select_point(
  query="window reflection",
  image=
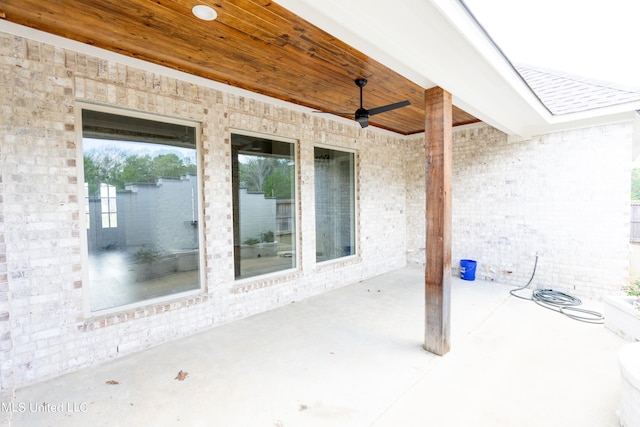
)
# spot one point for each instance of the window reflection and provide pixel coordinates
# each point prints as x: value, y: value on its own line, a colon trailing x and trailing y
x: 264, y: 206
x: 142, y: 218
x: 335, y: 204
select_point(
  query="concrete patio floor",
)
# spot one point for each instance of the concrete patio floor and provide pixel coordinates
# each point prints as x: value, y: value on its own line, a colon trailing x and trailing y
x: 354, y: 357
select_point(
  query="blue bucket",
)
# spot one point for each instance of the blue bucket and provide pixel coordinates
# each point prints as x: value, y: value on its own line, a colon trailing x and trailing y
x: 467, y: 269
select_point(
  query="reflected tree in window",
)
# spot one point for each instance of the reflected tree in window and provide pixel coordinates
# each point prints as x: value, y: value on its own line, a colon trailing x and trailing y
x: 142, y: 209
x: 264, y: 206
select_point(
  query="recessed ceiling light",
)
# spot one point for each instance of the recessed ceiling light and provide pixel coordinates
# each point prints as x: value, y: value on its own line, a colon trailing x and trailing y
x: 205, y: 13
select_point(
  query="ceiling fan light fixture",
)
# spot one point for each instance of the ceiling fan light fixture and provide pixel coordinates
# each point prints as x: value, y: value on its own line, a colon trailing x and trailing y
x: 206, y: 13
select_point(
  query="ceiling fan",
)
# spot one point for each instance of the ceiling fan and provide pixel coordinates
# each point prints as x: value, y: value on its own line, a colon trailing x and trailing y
x: 362, y: 114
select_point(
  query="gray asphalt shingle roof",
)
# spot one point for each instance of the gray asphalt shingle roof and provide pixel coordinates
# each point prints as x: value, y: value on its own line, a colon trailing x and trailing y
x: 564, y: 93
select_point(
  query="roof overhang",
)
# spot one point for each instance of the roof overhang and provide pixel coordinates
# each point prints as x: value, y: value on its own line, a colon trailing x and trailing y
x: 434, y: 43
x: 439, y: 43
x: 411, y: 46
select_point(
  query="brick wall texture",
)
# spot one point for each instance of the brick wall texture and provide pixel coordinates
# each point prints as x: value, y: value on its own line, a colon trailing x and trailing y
x: 562, y: 195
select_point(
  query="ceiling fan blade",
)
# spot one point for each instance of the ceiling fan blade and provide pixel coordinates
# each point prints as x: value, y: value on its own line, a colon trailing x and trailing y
x: 389, y: 107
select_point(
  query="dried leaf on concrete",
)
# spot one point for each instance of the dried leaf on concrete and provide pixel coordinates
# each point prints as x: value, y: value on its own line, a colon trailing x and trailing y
x: 181, y: 375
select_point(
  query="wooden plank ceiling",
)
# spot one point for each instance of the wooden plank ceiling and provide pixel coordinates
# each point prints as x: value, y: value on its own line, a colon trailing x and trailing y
x: 253, y: 44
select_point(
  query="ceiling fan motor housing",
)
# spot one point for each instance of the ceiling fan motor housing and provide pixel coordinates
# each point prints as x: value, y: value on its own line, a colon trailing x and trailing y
x: 361, y: 82
x: 362, y: 117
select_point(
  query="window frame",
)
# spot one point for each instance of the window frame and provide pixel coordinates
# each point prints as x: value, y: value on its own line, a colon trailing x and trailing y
x: 356, y: 205
x: 83, y: 207
x: 296, y: 216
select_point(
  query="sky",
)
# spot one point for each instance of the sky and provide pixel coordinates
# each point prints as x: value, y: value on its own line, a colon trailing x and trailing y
x: 592, y: 38
x: 153, y: 150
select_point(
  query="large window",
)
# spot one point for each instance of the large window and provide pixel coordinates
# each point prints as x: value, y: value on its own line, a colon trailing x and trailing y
x: 264, y: 228
x: 141, y: 187
x: 335, y: 204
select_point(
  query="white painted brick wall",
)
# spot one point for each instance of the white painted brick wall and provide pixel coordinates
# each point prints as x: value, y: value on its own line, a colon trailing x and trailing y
x: 564, y: 196
x: 44, y: 331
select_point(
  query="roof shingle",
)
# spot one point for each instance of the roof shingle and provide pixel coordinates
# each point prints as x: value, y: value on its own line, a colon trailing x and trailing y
x: 564, y: 93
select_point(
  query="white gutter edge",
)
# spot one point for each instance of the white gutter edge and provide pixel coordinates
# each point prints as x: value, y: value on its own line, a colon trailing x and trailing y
x: 581, y: 123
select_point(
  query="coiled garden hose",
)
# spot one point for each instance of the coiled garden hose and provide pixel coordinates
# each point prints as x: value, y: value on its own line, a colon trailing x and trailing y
x: 559, y: 302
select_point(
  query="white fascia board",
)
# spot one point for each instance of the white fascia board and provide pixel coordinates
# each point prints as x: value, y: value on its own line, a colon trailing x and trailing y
x: 614, y: 110
x: 597, y: 117
x: 581, y: 122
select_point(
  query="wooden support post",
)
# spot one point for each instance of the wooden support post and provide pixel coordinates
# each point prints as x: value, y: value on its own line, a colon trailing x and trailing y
x: 438, y: 140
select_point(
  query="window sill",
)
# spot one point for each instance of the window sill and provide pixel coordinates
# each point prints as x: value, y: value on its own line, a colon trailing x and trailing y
x: 125, y: 313
x: 266, y: 280
x: 336, y: 263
